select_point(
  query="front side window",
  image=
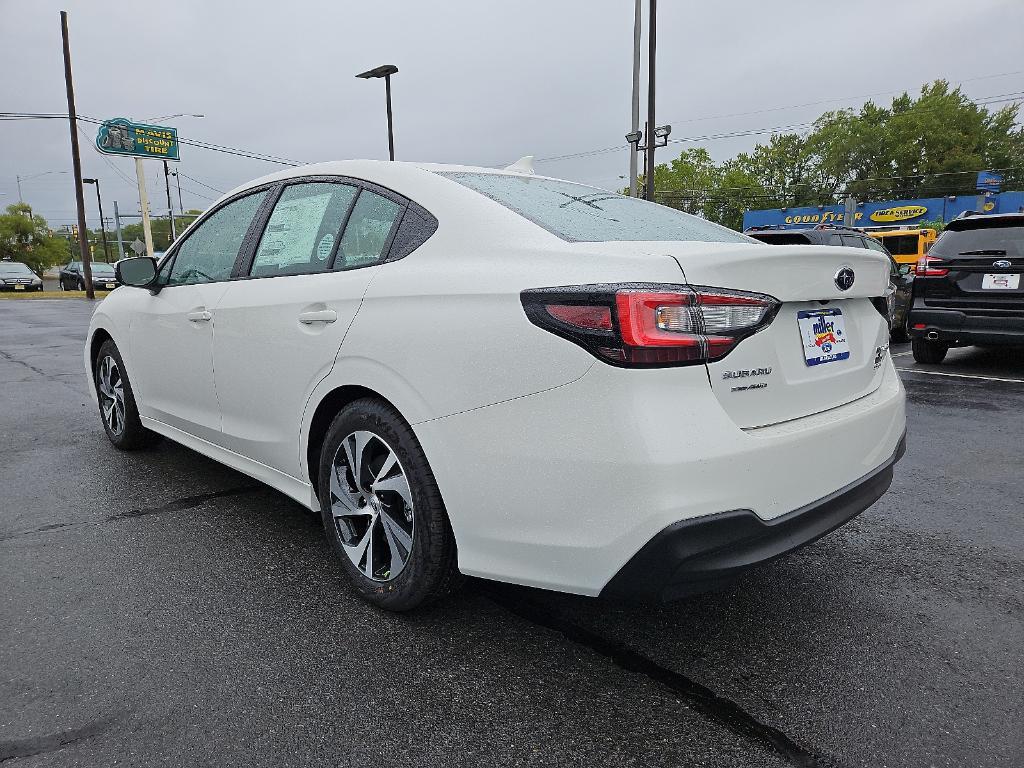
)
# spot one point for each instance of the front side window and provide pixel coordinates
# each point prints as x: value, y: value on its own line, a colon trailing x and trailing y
x: 368, y: 231
x: 209, y: 253
x: 302, y: 231
x: 575, y: 212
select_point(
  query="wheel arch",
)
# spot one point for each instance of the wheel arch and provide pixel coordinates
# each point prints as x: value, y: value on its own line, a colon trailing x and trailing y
x: 329, y: 407
x: 99, y: 337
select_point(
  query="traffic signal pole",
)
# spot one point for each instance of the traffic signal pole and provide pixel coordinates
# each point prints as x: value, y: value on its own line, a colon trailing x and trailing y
x: 76, y: 160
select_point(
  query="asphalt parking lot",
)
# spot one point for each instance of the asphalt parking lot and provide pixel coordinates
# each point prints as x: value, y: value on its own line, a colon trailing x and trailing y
x: 160, y: 609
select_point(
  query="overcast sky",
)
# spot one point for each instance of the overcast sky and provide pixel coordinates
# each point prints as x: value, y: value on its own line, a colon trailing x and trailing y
x: 480, y: 82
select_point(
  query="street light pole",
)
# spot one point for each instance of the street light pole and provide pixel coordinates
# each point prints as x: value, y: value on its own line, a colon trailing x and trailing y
x: 103, y: 226
x: 385, y: 71
x: 651, y: 43
x: 635, y: 125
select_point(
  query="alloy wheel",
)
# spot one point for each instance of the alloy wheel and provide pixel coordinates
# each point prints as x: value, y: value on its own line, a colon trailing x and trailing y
x: 371, y: 504
x: 111, y: 391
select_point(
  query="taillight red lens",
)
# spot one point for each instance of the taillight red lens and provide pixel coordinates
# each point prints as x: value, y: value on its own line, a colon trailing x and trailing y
x: 925, y: 267
x: 582, y: 316
x: 651, y: 325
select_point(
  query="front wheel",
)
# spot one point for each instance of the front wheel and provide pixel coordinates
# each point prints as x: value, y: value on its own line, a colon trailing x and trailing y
x: 929, y: 352
x: 117, y: 402
x: 382, y: 510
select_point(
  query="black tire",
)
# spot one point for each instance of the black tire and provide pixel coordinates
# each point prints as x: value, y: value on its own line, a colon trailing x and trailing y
x: 132, y: 435
x: 61, y: 283
x: 929, y: 352
x: 430, y: 570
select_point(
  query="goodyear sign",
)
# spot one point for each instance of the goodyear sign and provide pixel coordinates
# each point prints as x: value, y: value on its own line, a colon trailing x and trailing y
x: 123, y: 137
x: 899, y: 213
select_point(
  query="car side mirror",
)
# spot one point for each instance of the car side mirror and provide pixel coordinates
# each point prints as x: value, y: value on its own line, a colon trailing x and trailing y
x: 138, y: 271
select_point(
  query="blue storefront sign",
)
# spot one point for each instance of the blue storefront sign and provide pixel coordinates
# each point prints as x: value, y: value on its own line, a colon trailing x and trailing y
x: 989, y: 181
x: 888, y: 213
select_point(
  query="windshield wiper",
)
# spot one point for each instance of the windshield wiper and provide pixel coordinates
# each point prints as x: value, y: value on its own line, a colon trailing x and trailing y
x: 984, y: 252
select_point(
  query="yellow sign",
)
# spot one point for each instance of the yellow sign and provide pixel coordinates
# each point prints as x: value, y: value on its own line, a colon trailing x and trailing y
x: 899, y: 213
x: 825, y: 217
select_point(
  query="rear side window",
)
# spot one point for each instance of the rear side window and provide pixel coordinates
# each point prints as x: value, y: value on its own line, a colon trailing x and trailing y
x: 993, y: 241
x: 302, y: 232
x: 852, y: 241
x: 579, y: 213
x: 874, y: 245
x: 209, y: 253
x: 368, y: 231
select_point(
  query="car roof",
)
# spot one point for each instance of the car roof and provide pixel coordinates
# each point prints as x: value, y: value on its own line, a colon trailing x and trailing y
x: 985, y: 221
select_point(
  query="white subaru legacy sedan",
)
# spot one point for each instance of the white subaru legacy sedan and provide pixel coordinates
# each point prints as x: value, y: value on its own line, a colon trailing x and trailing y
x: 497, y: 374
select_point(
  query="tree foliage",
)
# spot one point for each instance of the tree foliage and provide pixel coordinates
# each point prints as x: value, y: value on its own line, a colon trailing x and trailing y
x: 928, y: 146
x: 27, y: 238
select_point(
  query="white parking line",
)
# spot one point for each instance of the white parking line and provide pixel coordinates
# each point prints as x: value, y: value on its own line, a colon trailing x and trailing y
x: 959, y: 375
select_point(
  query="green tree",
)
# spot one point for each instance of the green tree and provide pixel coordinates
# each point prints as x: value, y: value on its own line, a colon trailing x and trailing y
x: 928, y: 146
x: 27, y: 238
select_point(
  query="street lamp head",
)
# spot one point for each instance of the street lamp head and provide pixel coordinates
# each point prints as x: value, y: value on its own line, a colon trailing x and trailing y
x: 90, y: 181
x: 381, y: 71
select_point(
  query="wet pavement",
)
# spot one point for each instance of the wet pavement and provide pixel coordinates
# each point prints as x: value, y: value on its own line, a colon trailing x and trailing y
x: 160, y: 609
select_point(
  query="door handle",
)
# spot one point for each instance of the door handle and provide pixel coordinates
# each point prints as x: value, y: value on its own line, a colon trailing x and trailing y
x: 200, y: 316
x: 318, y: 316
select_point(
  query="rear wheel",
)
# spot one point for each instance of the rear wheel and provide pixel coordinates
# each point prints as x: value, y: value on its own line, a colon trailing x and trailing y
x: 117, y: 402
x: 382, y: 510
x: 929, y: 352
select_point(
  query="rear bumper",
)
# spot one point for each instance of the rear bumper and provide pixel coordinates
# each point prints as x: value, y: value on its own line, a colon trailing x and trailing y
x: 693, y: 556
x: 955, y: 327
x: 561, y: 489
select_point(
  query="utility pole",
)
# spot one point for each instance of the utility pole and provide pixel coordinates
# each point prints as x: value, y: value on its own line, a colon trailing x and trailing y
x: 177, y: 179
x: 147, y: 231
x: 170, y: 208
x: 635, y: 125
x: 850, y: 211
x: 117, y: 225
x: 19, y: 189
x: 76, y: 160
x: 652, y: 38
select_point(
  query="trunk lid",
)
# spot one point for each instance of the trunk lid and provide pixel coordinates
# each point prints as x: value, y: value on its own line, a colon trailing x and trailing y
x: 768, y: 378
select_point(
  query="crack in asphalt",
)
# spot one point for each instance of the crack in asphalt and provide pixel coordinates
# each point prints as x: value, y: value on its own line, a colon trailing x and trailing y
x: 721, y: 710
x: 177, y: 505
x: 14, y: 748
x: 11, y: 358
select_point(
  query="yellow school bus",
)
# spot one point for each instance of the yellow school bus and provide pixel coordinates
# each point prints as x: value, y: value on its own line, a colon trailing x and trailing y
x: 905, y: 245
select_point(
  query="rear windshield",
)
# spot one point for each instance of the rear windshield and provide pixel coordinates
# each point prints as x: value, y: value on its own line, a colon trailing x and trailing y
x: 99, y: 266
x: 586, y: 214
x: 1000, y: 241
x: 14, y: 268
x: 781, y: 238
x: 901, y: 245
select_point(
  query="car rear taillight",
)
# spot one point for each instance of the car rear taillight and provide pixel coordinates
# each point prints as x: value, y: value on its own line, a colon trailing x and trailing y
x: 645, y: 325
x: 925, y: 267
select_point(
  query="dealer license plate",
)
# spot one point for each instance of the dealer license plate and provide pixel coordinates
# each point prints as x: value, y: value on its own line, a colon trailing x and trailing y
x: 110, y: 286
x: 19, y: 287
x: 990, y: 282
x: 823, y: 333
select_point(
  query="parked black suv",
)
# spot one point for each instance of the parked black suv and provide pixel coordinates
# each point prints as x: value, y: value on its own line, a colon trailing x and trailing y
x: 830, y: 234
x: 969, y: 289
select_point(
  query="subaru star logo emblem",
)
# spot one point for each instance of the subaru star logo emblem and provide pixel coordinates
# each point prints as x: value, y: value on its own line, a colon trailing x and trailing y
x: 844, y: 279
x: 1002, y: 263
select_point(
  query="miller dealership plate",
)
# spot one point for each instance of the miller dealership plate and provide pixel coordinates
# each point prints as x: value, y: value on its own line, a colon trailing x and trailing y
x: 823, y: 333
x: 1000, y: 282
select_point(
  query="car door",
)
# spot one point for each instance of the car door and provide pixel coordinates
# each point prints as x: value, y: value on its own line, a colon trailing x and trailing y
x: 281, y: 323
x: 171, y: 330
